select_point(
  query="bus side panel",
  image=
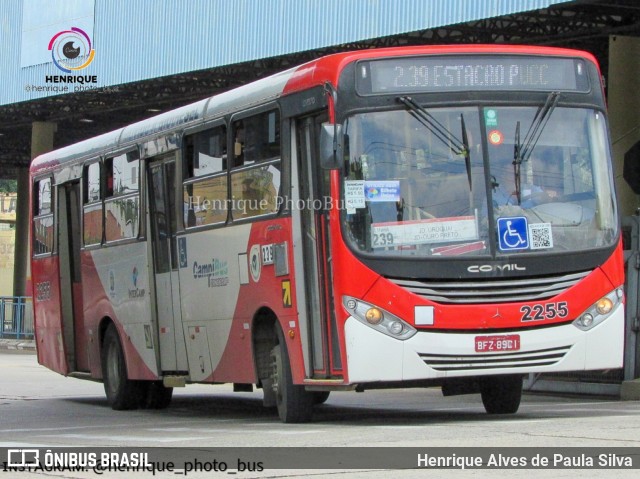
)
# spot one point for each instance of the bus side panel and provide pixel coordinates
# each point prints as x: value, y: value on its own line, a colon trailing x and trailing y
x: 48, y: 315
x: 116, y: 286
x: 210, y: 281
x: 263, y: 290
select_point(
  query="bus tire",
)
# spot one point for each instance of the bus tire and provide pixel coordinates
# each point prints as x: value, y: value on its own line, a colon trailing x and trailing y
x: 501, y: 394
x: 320, y: 397
x: 294, y: 403
x: 155, y: 395
x: 122, y: 392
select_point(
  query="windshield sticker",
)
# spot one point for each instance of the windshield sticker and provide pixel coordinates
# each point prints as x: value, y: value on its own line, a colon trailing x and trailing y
x: 496, y: 137
x: 458, y: 249
x: 354, y: 194
x: 375, y: 191
x: 513, y: 234
x: 541, y: 235
x: 441, y: 230
x: 491, y: 117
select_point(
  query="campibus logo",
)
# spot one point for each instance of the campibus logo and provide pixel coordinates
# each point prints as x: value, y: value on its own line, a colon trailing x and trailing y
x: 71, y: 50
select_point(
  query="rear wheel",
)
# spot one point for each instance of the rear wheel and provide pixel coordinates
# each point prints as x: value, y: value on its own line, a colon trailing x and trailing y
x: 122, y: 392
x: 294, y: 403
x: 155, y: 395
x: 501, y: 394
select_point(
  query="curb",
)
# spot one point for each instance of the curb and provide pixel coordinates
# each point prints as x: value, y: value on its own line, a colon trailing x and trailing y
x: 17, y: 344
x: 630, y: 390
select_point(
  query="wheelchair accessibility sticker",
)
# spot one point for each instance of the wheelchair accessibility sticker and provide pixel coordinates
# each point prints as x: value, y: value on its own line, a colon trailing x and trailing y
x: 513, y: 233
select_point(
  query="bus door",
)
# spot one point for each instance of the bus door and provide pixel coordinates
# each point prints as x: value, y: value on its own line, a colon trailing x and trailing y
x: 315, y: 291
x: 162, y: 210
x: 73, y: 330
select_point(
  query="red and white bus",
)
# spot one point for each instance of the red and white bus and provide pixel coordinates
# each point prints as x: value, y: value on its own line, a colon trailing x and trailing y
x: 404, y: 217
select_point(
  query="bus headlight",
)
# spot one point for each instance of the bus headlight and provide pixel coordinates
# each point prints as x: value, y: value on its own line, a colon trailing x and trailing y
x: 600, y: 311
x: 378, y: 318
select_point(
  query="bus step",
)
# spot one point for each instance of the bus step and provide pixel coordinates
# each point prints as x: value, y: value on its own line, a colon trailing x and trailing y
x: 174, y: 381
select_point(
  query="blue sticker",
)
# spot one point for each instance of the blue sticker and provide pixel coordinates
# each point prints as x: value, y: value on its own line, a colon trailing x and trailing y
x: 388, y: 190
x: 182, y: 250
x: 513, y: 233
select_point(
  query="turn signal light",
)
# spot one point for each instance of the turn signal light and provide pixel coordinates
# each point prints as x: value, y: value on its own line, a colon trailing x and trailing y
x: 373, y: 316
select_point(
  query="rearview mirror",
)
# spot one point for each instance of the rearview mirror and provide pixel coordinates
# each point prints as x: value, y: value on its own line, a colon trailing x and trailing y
x: 331, y: 146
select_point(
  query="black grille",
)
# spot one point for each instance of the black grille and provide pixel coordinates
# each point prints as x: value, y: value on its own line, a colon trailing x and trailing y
x: 492, y: 290
x: 461, y: 362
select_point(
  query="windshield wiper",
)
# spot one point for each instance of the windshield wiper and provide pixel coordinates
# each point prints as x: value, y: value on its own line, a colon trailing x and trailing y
x: 522, y: 151
x: 457, y: 146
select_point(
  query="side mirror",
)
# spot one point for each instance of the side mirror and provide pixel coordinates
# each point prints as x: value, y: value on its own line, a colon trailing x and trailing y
x: 331, y: 146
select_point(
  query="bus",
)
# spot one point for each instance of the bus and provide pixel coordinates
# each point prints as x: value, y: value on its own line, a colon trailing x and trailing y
x: 428, y: 216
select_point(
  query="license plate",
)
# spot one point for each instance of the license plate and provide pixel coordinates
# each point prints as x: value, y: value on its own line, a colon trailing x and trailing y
x: 498, y: 343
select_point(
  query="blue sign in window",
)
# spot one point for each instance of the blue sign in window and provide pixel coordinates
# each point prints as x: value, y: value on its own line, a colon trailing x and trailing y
x: 513, y: 233
x: 182, y: 251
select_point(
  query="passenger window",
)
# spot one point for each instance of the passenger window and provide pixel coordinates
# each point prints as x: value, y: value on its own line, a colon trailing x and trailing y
x: 205, y: 189
x: 122, y: 203
x: 92, y: 205
x: 206, y: 152
x: 43, y: 197
x: 256, y: 152
x: 122, y: 175
x: 43, y: 218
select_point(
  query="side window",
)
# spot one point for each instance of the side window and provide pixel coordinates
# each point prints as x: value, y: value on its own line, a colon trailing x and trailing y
x: 122, y: 197
x: 43, y: 217
x: 255, y: 179
x: 122, y: 175
x: 205, y: 177
x: 92, y: 205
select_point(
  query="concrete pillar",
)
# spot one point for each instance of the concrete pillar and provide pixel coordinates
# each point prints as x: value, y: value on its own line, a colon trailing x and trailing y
x: 624, y: 111
x: 624, y: 118
x: 41, y: 142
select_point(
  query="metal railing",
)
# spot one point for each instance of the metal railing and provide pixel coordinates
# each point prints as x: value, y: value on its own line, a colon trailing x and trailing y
x: 16, y: 317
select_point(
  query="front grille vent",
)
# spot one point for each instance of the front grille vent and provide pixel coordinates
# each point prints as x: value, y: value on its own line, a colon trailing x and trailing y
x: 492, y: 290
x: 529, y: 359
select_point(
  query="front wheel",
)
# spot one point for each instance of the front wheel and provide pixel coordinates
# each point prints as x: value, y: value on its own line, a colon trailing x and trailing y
x: 320, y: 397
x: 501, y: 394
x: 122, y: 392
x: 294, y: 403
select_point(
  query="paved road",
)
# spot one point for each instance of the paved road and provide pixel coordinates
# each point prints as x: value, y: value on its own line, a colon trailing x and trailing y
x: 39, y: 408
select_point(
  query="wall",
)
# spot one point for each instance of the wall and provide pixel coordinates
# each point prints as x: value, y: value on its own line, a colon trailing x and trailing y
x: 7, y: 242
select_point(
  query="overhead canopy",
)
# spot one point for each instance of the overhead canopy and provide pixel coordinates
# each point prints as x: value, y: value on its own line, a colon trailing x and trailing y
x: 153, y: 56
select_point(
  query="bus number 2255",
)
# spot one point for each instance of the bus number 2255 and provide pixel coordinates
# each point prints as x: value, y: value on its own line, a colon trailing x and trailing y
x: 540, y: 312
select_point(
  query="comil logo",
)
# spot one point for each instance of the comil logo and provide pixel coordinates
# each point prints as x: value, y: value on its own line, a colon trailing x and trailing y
x: 71, y: 50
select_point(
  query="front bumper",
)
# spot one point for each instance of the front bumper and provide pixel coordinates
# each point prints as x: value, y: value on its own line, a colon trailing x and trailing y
x: 375, y: 357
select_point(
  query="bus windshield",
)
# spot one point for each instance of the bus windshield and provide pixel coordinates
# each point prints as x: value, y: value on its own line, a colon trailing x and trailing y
x: 454, y: 181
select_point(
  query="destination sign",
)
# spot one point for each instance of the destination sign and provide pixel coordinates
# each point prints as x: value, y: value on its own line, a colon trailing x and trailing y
x: 472, y: 73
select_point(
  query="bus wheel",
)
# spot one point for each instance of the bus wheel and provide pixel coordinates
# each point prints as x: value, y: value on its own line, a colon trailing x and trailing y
x: 501, y: 394
x: 122, y: 392
x: 155, y: 396
x: 294, y: 403
x: 320, y: 397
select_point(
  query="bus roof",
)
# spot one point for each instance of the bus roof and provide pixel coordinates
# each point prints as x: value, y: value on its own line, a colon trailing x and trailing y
x: 313, y: 73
